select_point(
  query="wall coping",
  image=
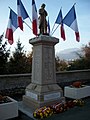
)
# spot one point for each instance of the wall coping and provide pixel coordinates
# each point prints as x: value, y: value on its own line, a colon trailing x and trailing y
x: 29, y: 74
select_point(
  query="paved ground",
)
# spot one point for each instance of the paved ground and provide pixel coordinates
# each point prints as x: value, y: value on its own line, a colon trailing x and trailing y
x: 76, y: 113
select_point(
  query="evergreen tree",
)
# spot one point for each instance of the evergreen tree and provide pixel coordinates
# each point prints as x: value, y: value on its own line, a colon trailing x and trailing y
x: 18, y: 62
x: 29, y: 60
x: 4, y: 55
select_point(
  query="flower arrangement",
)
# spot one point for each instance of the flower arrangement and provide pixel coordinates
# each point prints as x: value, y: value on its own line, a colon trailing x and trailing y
x: 77, y: 84
x: 79, y: 102
x: 44, y: 112
x: 59, y: 107
x: 4, y: 99
x: 70, y: 104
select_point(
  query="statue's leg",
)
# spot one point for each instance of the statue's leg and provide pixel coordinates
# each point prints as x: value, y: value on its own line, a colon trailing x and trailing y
x: 42, y: 29
x: 45, y: 29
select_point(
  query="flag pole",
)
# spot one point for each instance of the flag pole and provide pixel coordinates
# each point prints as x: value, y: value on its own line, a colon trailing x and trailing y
x: 27, y: 25
x: 74, y: 4
x: 23, y: 20
x: 9, y: 8
x: 53, y: 27
x: 55, y: 30
x: 30, y: 20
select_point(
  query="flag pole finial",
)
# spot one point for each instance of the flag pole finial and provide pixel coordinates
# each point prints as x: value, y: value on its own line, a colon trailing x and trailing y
x: 74, y: 4
x: 9, y: 7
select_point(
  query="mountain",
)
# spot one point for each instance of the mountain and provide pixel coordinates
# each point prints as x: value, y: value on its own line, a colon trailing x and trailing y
x: 70, y: 54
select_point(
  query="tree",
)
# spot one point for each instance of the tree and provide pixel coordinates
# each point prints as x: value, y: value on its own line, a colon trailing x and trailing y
x: 61, y: 65
x: 4, y: 55
x: 86, y: 49
x: 83, y: 62
x: 18, y: 62
x: 29, y: 60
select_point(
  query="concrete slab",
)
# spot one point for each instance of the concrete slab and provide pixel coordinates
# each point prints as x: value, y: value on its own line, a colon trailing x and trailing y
x: 25, y: 109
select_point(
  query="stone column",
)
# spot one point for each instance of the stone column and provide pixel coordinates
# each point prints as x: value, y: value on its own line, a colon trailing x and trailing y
x: 43, y: 89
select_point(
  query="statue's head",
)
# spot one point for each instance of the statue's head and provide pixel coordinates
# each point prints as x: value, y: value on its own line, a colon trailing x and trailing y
x: 43, y: 5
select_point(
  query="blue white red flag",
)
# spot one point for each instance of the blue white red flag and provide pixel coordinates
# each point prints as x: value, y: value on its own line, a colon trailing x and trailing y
x: 22, y: 13
x: 12, y: 26
x: 48, y: 24
x: 34, y: 18
x: 71, y: 21
x: 59, y: 20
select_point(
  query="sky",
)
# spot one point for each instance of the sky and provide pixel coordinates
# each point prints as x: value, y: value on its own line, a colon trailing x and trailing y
x: 53, y: 7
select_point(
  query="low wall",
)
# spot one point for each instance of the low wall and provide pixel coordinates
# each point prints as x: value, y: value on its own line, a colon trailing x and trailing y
x: 63, y: 78
x: 67, y: 77
x: 14, y: 81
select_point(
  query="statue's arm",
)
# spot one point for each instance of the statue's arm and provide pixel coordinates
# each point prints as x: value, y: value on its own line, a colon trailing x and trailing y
x: 41, y: 11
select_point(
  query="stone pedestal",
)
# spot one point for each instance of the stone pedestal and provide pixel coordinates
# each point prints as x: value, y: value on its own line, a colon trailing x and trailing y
x: 43, y: 89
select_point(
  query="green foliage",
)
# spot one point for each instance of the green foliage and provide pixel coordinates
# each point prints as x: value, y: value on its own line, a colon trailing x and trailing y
x: 83, y: 62
x: 19, y: 62
x: 61, y: 65
x: 4, y: 55
x: 22, y: 63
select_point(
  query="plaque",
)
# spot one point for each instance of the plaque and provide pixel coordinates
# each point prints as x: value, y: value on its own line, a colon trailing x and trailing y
x: 52, y: 96
x: 32, y: 95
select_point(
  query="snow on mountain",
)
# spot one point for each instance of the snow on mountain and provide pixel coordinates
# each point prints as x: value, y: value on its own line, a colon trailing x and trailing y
x: 70, y: 54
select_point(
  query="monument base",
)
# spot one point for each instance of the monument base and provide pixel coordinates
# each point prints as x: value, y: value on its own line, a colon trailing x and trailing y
x: 37, y: 96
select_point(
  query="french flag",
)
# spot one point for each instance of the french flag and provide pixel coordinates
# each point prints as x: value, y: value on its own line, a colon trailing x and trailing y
x: 34, y: 18
x: 12, y: 26
x: 22, y: 14
x: 71, y: 21
x: 59, y: 20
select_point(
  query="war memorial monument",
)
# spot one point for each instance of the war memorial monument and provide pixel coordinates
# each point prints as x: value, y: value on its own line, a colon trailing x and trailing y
x: 43, y: 89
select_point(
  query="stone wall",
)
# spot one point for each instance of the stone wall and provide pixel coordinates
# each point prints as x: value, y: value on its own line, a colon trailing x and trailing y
x: 14, y: 81
x: 63, y: 78
x: 67, y: 77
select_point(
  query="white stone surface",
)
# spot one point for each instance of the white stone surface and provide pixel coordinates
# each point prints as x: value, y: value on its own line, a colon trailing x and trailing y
x: 43, y: 63
x: 32, y: 95
x: 77, y: 93
x: 52, y: 96
x: 26, y: 110
x: 9, y: 110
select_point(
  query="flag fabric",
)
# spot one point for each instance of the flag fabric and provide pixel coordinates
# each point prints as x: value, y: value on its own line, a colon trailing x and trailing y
x: 22, y: 13
x: 48, y: 25
x: 34, y: 18
x: 71, y: 21
x: 59, y: 20
x: 12, y: 26
x: 62, y: 32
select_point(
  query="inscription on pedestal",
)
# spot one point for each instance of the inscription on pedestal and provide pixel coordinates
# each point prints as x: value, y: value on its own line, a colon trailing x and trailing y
x: 32, y: 95
x: 37, y: 60
x: 52, y: 96
x: 48, y: 63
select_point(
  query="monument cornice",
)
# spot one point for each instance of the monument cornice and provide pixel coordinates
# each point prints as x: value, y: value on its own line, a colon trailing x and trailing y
x: 43, y: 39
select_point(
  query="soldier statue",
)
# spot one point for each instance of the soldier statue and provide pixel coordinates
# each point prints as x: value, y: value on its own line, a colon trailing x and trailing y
x: 42, y: 20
